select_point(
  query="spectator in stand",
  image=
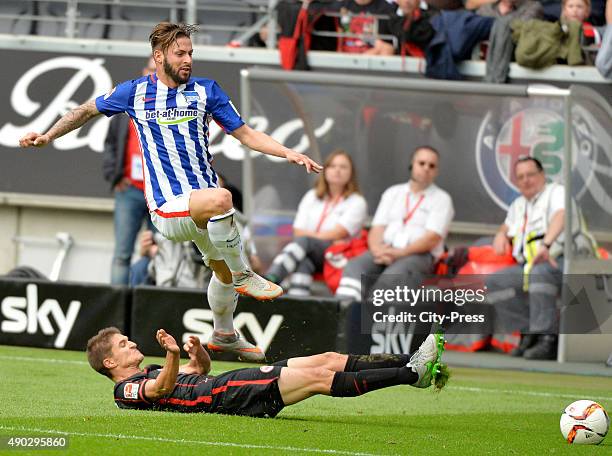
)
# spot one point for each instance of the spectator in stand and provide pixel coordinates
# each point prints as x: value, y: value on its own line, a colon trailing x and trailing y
x: 408, y: 230
x: 122, y: 167
x: 552, y: 11
x: 333, y: 211
x: 411, y: 26
x: 516, y: 9
x: 166, y: 263
x: 356, y: 19
x: 579, y: 11
x: 604, y: 56
x: 575, y: 10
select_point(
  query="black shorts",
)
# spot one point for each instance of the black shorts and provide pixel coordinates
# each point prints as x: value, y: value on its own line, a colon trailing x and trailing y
x: 250, y: 392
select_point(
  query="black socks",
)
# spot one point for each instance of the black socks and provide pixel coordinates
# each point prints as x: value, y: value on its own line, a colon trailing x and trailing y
x: 349, y: 384
x: 356, y: 363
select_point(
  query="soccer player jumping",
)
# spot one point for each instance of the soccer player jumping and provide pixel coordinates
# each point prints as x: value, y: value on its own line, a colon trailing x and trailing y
x: 171, y: 111
x: 258, y: 392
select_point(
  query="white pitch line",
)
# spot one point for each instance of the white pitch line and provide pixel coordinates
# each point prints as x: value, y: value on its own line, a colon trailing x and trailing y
x: 196, y: 442
x: 524, y: 393
x: 42, y: 360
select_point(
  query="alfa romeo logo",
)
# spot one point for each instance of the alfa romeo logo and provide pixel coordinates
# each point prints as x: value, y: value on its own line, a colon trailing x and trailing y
x: 539, y: 131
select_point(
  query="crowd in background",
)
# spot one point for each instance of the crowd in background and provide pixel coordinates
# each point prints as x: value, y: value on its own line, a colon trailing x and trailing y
x: 535, y: 34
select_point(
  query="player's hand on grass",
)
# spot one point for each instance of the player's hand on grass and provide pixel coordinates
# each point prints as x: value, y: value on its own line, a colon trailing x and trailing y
x: 167, y: 342
x: 34, y: 139
x: 303, y: 160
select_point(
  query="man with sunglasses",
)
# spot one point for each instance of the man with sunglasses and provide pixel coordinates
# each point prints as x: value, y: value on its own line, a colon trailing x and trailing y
x: 525, y: 295
x: 408, y: 229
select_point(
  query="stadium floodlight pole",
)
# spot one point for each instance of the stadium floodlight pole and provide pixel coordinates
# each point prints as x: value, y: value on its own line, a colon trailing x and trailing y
x: 247, y: 162
x: 567, y: 176
x: 191, y: 12
x: 271, y: 40
x: 567, y: 228
x: 565, y: 96
x: 71, y: 16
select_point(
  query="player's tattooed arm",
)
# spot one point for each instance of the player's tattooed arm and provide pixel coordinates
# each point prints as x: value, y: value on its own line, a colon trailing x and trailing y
x: 70, y: 121
x: 74, y: 119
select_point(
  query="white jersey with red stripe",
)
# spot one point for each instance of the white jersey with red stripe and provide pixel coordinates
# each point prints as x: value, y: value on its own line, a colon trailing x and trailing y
x: 172, y: 126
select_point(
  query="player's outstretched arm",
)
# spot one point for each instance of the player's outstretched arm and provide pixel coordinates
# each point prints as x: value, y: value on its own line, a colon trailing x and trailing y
x: 72, y: 120
x: 265, y: 144
x: 166, y: 380
x: 199, y: 361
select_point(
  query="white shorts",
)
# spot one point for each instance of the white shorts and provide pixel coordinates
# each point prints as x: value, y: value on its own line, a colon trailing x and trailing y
x: 174, y: 222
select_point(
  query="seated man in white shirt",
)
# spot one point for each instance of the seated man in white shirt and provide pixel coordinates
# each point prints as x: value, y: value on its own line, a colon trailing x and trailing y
x: 408, y: 229
x: 525, y: 295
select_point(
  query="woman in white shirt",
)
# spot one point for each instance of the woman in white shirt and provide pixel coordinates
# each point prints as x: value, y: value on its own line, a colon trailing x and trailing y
x: 333, y: 211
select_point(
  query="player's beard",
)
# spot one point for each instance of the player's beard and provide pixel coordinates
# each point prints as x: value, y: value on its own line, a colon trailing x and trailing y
x: 174, y: 75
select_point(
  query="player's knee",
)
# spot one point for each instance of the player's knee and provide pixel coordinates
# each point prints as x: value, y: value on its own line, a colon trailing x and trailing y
x: 331, y: 359
x: 319, y: 379
x: 222, y: 201
x: 204, y: 204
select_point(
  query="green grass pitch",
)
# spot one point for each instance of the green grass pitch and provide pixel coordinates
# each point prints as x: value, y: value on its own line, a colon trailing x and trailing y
x: 55, y: 393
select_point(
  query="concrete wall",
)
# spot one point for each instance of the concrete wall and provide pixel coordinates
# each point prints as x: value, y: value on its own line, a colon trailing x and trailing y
x: 28, y: 235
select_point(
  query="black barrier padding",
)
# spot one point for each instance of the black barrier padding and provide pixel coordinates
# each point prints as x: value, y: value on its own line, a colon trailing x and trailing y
x: 379, y: 338
x: 56, y: 314
x: 292, y: 327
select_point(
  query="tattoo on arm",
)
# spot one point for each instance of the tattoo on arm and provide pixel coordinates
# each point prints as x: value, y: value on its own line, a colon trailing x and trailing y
x: 74, y: 119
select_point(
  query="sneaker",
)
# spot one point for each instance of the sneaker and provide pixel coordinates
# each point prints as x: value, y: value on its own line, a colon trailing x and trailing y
x: 426, y: 360
x: 248, y: 283
x: 233, y: 343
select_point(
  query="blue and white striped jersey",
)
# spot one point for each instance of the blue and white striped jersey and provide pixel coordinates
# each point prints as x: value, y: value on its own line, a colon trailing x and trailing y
x: 172, y: 127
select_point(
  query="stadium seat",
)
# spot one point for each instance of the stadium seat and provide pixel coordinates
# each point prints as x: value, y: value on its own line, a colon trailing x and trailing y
x: 16, y: 25
x: 94, y: 30
x: 52, y: 20
x: 136, y: 22
x: 229, y: 18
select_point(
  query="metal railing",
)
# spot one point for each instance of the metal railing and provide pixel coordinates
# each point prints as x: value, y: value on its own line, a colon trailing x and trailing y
x: 255, y: 12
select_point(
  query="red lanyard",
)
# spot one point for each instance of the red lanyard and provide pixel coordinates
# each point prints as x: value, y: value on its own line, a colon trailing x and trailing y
x: 524, y: 221
x: 410, y: 212
x: 327, y: 209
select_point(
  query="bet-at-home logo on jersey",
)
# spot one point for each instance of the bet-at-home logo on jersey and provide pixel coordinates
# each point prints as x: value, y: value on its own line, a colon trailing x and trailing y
x: 171, y: 116
x: 536, y: 128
